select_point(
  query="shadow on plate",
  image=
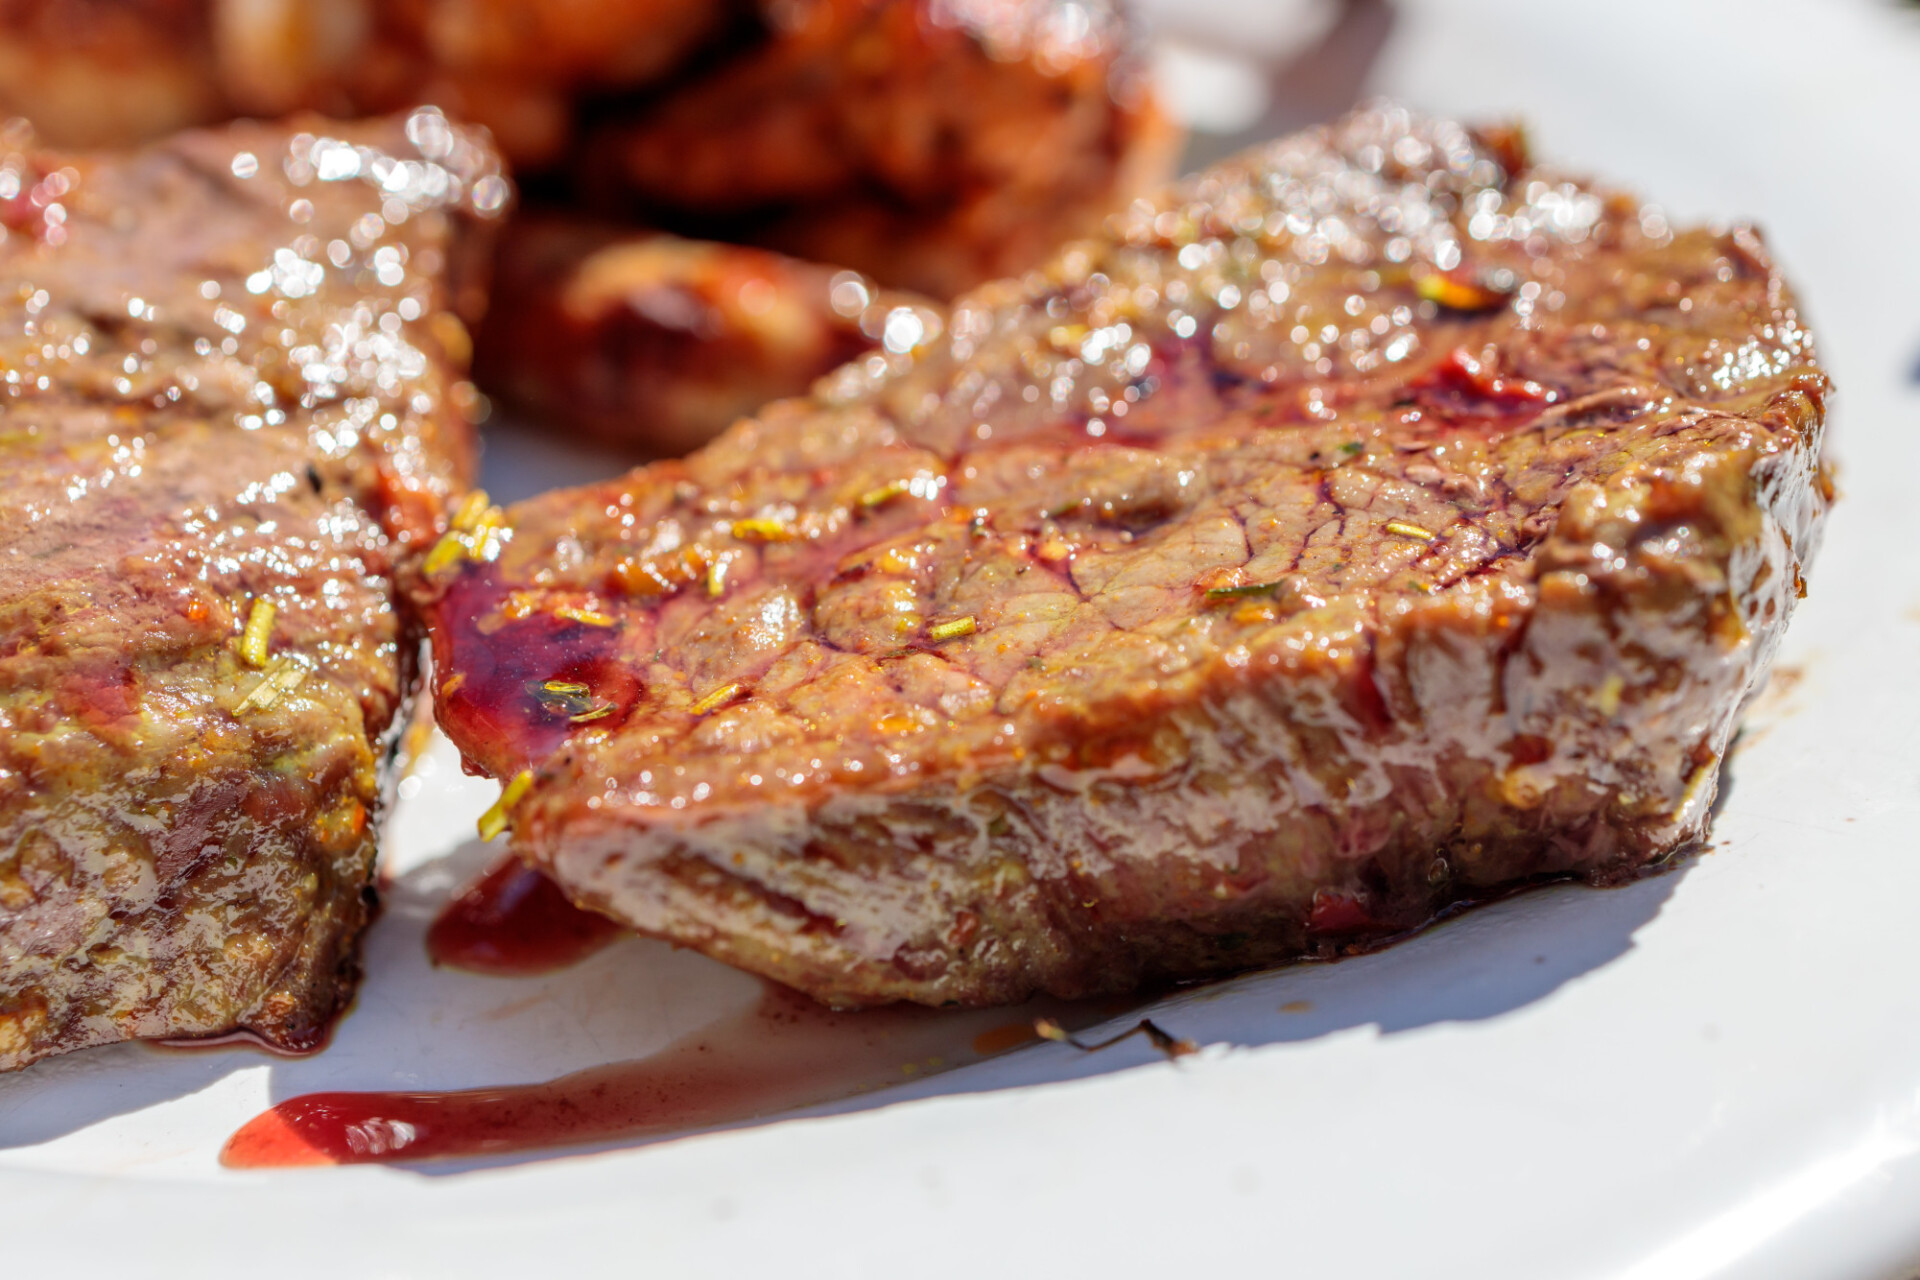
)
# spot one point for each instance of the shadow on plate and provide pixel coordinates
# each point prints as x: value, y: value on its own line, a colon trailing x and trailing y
x: 647, y: 1004
x: 63, y: 1095
x: 418, y: 1028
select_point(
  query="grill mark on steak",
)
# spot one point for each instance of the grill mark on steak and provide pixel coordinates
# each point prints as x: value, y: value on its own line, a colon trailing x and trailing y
x: 223, y: 387
x: 1397, y: 630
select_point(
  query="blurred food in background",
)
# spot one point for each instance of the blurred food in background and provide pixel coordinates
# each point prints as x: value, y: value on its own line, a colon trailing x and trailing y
x: 93, y: 73
x: 934, y: 144
x: 111, y: 72
x: 929, y: 144
x: 645, y: 338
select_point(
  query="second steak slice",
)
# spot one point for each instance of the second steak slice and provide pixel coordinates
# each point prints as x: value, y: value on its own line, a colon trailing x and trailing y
x: 1367, y: 524
x: 230, y: 403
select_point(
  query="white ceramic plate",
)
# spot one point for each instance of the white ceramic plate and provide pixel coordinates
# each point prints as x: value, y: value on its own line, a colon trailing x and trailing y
x: 1714, y: 1072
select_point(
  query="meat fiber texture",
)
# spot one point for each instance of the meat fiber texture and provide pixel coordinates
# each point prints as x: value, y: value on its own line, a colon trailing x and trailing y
x: 229, y: 402
x: 1374, y: 522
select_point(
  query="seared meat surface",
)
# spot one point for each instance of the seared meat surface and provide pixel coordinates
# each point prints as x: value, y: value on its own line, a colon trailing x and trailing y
x: 647, y: 339
x: 228, y: 404
x: 1365, y: 524
x: 932, y: 145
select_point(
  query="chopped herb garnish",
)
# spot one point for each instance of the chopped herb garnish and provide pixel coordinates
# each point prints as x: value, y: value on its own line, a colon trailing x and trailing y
x: 449, y: 549
x: 718, y: 698
x: 254, y: 641
x: 880, y: 497
x: 1697, y: 784
x: 1241, y: 593
x: 495, y: 820
x: 562, y: 697
x: 471, y: 508
x: 474, y: 524
x: 600, y: 712
x: 1606, y: 699
x: 284, y: 676
x: 1351, y: 447
x: 952, y: 630
x: 762, y: 529
x: 1456, y: 294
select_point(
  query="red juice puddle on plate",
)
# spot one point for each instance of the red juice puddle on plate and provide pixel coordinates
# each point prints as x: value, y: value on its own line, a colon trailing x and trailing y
x: 514, y: 922
x: 786, y: 1052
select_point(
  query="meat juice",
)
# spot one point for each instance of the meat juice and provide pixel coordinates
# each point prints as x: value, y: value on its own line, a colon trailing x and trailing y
x: 514, y: 922
x: 784, y: 1053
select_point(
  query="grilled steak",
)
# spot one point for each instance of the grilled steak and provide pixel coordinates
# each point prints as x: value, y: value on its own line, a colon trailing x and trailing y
x: 227, y: 404
x: 931, y: 145
x: 1366, y: 524
x: 659, y: 342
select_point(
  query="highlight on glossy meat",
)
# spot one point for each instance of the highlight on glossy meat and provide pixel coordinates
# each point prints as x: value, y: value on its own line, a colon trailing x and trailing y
x: 1371, y: 522
x: 230, y: 403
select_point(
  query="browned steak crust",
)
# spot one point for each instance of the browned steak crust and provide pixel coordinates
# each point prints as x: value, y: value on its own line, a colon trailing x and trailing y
x: 1366, y: 524
x: 227, y: 395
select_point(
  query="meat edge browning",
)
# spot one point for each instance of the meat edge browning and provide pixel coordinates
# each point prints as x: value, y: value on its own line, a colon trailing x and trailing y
x: 1482, y: 731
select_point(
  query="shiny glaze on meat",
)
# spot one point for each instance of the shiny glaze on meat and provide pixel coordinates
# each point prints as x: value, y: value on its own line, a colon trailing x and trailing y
x: 1364, y: 524
x: 227, y: 392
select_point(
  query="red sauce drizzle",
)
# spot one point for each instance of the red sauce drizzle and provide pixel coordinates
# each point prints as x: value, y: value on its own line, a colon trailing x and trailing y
x: 787, y: 1052
x: 490, y: 704
x: 514, y: 922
